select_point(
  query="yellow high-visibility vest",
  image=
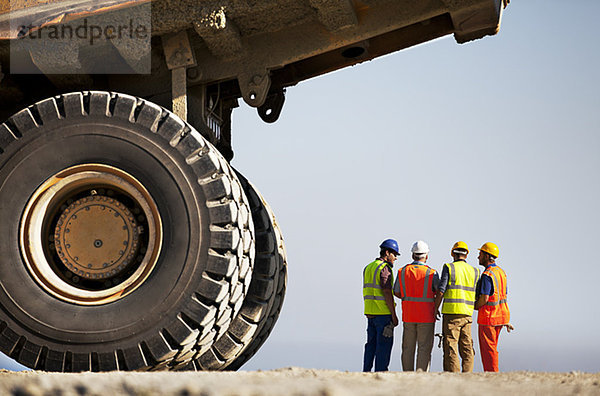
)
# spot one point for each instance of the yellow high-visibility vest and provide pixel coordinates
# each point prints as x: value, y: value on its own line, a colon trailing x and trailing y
x: 372, y: 291
x: 459, y: 297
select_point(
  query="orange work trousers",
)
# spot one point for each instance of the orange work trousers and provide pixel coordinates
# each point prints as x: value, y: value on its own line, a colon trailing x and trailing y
x: 488, y: 346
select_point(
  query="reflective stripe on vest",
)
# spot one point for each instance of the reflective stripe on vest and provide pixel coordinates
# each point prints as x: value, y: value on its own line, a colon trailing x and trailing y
x: 417, y: 300
x: 373, y: 298
x: 458, y: 301
x: 382, y: 298
x: 495, y: 312
x: 501, y: 301
x: 459, y: 297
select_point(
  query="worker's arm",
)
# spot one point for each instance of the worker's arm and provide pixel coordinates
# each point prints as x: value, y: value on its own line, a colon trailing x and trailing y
x: 386, y: 286
x: 435, y: 287
x: 397, y: 289
x: 485, y: 288
x: 389, y: 300
x: 441, y: 289
x: 481, y: 301
x: 438, y: 301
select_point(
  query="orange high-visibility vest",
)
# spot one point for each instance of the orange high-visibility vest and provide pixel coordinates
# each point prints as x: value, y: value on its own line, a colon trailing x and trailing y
x: 416, y: 294
x: 495, y: 312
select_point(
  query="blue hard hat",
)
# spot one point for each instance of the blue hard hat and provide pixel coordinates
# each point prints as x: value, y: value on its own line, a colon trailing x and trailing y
x: 390, y: 244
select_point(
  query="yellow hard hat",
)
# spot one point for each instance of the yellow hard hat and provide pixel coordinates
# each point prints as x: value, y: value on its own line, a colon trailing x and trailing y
x: 460, y: 245
x: 490, y: 248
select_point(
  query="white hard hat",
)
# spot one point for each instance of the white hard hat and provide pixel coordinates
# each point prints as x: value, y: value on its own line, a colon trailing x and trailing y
x: 420, y: 247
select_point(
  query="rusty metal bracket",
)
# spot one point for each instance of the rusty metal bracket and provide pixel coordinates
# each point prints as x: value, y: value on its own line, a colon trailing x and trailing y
x: 255, y: 87
x: 179, y: 56
x: 271, y: 109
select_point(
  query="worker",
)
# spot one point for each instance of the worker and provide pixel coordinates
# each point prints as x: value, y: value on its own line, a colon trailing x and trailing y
x: 492, y: 291
x: 457, y: 288
x: 380, y: 308
x: 416, y: 285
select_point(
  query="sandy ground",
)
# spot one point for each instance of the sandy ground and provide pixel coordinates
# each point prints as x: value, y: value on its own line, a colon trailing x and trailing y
x: 297, y: 381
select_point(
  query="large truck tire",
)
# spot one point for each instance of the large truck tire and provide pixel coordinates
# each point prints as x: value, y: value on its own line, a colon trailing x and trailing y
x: 126, y: 240
x: 261, y: 308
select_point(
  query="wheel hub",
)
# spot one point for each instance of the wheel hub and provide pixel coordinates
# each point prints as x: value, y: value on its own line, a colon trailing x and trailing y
x: 91, y: 234
x: 96, y: 237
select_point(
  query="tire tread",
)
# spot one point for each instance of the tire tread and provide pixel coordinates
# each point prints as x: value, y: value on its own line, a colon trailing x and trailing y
x: 263, y: 301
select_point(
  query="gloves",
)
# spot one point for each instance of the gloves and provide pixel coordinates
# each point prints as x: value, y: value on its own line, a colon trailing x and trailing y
x: 388, y: 331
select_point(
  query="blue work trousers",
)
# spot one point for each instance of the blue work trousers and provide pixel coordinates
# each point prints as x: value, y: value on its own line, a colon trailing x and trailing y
x: 378, y: 347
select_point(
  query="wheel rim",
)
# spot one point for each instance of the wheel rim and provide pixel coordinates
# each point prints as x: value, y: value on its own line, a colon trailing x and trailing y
x: 91, y: 234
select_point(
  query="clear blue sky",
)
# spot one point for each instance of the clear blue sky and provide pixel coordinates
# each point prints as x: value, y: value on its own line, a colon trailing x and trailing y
x: 497, y: 140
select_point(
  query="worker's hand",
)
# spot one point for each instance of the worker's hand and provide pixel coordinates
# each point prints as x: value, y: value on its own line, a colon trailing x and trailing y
x: 388, y: 331
x: 395, y: 320
x: 509, y: 327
